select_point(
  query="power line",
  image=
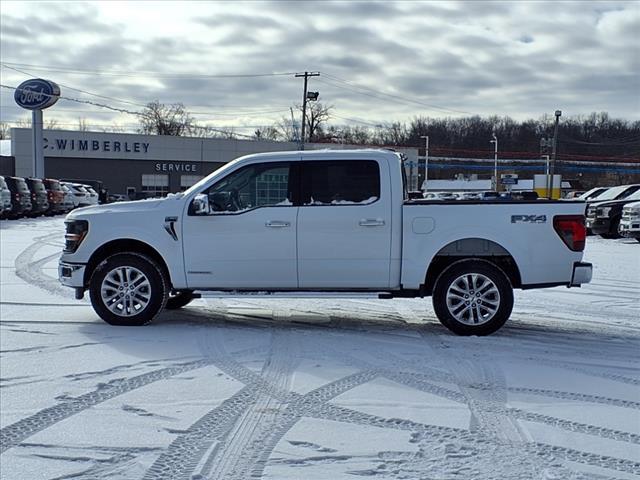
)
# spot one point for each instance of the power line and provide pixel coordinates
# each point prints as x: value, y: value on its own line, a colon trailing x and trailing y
x: 77, y: 89
x: 142, y: 73
x: 390, y: 95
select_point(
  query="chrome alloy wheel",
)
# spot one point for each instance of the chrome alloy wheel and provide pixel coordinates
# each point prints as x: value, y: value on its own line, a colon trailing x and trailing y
x: 125, y: 291
x: 473, y: 299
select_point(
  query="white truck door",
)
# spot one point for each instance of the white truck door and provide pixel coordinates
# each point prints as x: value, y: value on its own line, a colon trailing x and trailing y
x: 248, y: 239
x: 344, y: 224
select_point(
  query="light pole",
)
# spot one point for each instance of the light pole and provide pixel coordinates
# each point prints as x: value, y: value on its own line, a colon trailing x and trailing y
x: 553, y: 151
x: 495, y: 159
x: 426, y: 160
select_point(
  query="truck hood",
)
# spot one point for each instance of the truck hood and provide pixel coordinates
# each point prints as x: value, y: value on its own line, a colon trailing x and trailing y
x: 119, y: 207
x: 633, y: 205
x: 612, y: 203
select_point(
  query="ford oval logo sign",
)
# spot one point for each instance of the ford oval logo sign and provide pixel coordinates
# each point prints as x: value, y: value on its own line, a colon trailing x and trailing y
x: 36, y: 94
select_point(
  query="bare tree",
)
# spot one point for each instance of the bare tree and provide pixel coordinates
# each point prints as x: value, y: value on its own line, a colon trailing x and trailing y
x: 5, y: 131
x: 316, y: 116
x: 82, y: 125
x: 50, y: 124
x: 160, y: 119
x: 267, y: 133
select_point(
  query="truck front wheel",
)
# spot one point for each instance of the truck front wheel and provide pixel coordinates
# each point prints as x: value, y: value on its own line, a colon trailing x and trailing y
x: 473, y: 297
x: 128, y: 289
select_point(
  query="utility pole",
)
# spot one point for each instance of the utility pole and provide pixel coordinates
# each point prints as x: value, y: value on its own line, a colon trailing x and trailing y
x: 306, y: 75
x: 555, y: 148
x: 495, y: 159
x: 426, y: 160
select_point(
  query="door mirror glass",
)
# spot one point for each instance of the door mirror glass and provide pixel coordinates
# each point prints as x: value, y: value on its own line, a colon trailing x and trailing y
x: 199, y: 205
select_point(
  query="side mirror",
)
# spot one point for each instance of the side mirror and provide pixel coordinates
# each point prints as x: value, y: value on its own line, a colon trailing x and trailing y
x: 199, y: 205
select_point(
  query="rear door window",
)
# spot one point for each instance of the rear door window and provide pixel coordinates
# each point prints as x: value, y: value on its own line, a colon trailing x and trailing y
x: 341, y: 182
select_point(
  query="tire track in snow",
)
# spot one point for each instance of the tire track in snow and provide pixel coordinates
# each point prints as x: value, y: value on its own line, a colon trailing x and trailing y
x: 239, y: 449
x: 31, y: 271
x: 580, y: 397
x: 202, y: 446
x: 13, y: 434
x: 540, y: 451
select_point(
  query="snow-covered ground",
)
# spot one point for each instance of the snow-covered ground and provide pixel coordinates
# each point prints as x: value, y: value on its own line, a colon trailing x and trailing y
x: 254, y: 387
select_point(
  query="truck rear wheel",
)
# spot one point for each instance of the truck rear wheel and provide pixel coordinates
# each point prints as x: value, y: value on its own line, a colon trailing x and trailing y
x: 128, y: 289
x: 473, y: 297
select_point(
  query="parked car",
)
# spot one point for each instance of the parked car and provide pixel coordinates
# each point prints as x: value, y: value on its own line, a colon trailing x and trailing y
x: 321, y: 220
x: 440, y: 196
x: 80, y: 193
x: 93, y: 195
x: 490, y: 195
x: 603, y: 218
x: 615, y: 193
x: 20, y: 196
x: 573, y: 194
x: 469, y: 195
x: 5, y: 199
x: 70, y: 200
x: 630, y: 221
x: 117, y: 197
x: 39, y: 201
x: 55, y: 195
x: 591, y: 194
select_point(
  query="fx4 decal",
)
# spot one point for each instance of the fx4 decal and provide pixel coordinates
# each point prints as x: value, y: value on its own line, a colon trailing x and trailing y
x: 528, y: 219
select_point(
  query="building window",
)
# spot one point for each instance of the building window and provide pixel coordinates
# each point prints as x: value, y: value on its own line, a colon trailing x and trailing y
x: 187, y: 181
x: 155, y: 185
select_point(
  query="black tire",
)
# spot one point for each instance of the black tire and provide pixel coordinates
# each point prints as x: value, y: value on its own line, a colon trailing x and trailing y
x: 149, y: 290
x: 613, y: 229
x: 179, y: 299
x: 495, y: 292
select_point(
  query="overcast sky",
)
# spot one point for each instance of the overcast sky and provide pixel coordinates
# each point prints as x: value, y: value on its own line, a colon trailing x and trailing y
x: 378, y: 61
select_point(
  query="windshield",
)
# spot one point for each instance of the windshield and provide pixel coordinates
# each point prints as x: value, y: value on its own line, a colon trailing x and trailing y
x: 22, y: 185
x: 37, y: 186
x: 635, y: 196
x: 593, y: 193
x: 53, y: 185
x: 618, y: 192
x: 197, y: 186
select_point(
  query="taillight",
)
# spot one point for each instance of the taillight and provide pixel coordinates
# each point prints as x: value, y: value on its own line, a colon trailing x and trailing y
x: 571, y: 230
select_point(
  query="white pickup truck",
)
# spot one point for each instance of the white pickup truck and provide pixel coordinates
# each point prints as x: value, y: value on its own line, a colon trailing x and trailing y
x: 321, y: 221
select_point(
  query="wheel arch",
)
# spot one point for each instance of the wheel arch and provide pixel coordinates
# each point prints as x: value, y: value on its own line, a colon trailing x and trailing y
x: 471, y: 249
x: 124, y: 245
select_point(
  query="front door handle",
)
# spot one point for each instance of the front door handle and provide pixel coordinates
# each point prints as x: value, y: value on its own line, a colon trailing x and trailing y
x: 277, y: 224
x: 371, y: 222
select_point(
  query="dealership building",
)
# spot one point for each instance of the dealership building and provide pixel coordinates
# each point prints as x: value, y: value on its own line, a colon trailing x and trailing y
x: 137, y: 165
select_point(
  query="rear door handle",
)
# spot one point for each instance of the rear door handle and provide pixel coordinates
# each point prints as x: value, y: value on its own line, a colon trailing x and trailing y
x: 277, y: 224
x: 371, y: 222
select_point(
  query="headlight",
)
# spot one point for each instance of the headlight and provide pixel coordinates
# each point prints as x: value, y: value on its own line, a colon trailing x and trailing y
x: 76, y: 232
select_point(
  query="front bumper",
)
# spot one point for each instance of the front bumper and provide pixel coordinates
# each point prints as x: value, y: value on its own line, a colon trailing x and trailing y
x: 582, y: 273
x: 629, y: 228
x: 71, y: 274
x: 598, y: 225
